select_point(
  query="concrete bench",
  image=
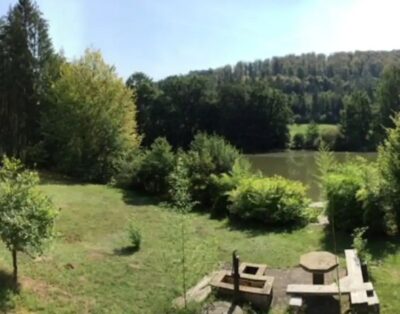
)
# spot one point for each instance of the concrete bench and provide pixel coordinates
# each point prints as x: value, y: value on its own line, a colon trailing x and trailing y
x: 362, y: 294
x: 305, y: 289
x: 295, y: 304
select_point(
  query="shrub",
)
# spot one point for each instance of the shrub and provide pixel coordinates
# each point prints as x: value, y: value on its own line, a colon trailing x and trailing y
x: 330, y: 136
x: 224, y: 183
x: 155, y: 166
x: 208, y: 155
x: 298, y: 141
x: 312, y: 137
x: 128, y: 166
x: 354, y: 199
x: 135, y: 237
x: 360, y: 244
x: 389, y: 168
x: 273, y: 201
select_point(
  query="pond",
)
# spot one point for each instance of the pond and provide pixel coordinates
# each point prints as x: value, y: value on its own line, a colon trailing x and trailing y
x: 299, y: 165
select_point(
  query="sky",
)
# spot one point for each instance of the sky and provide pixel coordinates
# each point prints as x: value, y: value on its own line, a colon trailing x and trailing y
x: 167, y: 37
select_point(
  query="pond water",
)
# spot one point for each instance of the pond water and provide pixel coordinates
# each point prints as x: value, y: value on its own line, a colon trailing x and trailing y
x: 299, y: 165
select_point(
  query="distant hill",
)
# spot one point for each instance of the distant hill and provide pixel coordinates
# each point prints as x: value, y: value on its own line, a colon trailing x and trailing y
x: 314, y: 82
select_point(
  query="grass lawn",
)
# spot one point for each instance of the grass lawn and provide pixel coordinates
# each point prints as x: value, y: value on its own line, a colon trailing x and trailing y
x: 87, y: 271
x: 302, y: 128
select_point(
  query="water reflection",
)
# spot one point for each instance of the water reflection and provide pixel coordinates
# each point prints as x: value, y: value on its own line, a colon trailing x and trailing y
x: 298, y: 165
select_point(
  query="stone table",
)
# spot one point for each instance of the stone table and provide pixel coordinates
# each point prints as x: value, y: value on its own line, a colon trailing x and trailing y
x: 318, y: 263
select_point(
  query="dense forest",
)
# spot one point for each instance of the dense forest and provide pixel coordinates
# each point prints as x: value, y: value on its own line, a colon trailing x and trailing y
x: 252, y: 103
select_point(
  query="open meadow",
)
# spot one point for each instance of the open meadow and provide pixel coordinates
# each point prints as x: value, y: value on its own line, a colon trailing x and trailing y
x: 87, y: 269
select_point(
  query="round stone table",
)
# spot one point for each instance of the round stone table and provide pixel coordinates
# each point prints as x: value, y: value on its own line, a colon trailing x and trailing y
x: 318, y: 263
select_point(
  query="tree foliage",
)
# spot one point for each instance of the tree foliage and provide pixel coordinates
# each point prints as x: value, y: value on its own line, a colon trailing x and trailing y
x: 389, y: 167
x: 253, y: 117
x: 207, y: 156
x: 156, y: 165
x: 91, y: 122
x: 25, y: 51
x: 26, y: 215
x: 272, y: 201
x: 356, y: 120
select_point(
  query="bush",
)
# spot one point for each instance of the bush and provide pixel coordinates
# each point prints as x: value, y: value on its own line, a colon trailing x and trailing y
x: 354, y: 196
x: 312, y: 137
x: 273, y: 201
x: 329, y: 137
x: 298, y: 141
x: 360, y: 244
x: 155, y: 166
x: 208, y: 155
x: 135, y: 237
x: 389, y: 168
x: 224, y: 183
x: 128, y: 166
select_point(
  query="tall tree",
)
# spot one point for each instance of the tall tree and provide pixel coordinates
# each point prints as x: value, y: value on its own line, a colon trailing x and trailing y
x: 91, y: 123
x: 25, y: 49
x: 147, y: 95
x: 356, y: 118
x: 388, y: 96
x: 389, y: 166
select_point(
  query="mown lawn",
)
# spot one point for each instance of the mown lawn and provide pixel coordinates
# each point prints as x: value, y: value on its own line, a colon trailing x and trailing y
x: 87, y: 271
x: 302, y: 128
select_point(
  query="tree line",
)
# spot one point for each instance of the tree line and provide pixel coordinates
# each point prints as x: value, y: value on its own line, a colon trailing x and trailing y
x: 77, y: 117
x: 80, y: 118
x: 252, y: 116
x: 252, y: 103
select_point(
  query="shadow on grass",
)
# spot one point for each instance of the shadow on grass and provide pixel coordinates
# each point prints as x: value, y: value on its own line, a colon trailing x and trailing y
x: 126, y: 251
x: 378, y: 246
x: 49, y: 177
x: 139, y: 199
x: 254, y: 228
x: 7, y: 290
x: 343, y: 240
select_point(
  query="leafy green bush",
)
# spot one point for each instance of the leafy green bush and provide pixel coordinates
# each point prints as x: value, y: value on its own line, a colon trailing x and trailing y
x: 298, y: 141
x: 273, y: 201
x: 312, y: 138
x: 224, y: 183
x: 330, y: 136
x: 360, y: 244
x: 127, y: 169
x: 389, y: 168
x: 135, y: 237
x: 208, y: 155
x: 354, y: 196
x: 155, y: 166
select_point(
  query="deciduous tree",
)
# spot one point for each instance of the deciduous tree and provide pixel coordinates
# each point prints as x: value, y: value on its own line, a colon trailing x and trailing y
x: 26, y: 214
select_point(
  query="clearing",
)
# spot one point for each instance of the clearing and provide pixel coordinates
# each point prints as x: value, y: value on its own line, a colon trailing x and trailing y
x: 87, y: 269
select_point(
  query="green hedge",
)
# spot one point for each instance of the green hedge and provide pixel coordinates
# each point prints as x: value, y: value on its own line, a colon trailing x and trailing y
x: 208, y: 155
x: 354, y: 197
x: 273, y: 201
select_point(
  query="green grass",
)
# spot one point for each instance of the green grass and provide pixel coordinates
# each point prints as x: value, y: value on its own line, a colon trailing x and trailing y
x: 302, y: 128
x: 87, y: 271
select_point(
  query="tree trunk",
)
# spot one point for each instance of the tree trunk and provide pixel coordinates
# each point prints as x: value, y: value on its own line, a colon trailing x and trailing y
x: 15, y: 266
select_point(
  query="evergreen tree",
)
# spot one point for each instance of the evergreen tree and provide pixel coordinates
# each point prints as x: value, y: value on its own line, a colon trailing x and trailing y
x: 356, y: 120
x: 388, y: 96
x: 25, y: 49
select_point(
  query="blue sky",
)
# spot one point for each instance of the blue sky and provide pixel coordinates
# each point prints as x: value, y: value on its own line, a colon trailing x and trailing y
x: 165, y: 37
